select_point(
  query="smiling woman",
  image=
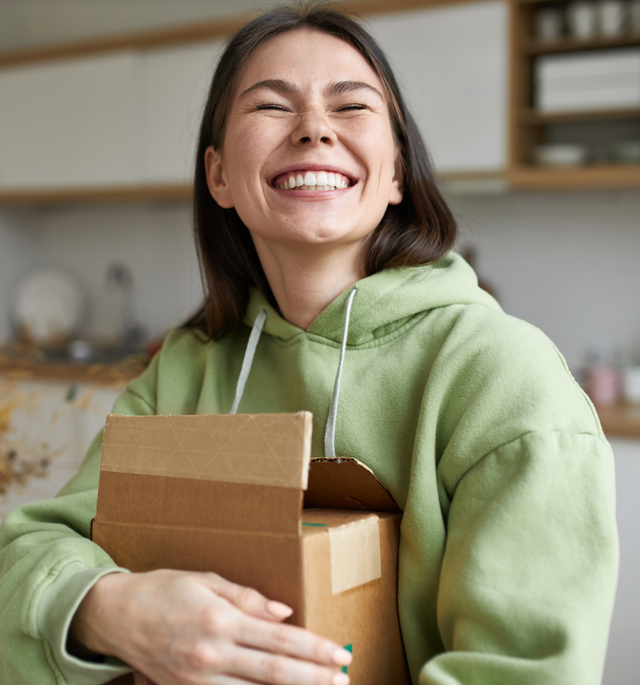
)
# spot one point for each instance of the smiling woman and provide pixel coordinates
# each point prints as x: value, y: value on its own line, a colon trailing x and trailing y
x: 299, y: 92
x: 325, y: 253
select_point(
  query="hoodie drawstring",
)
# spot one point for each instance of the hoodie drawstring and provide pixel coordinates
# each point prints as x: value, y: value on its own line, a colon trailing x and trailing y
x: 330, y: 431
x: 248, y: 358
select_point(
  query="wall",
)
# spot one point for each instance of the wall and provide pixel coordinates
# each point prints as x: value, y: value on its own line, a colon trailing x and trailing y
x: 153, y: 241
x: 566, y: 262
x: 28, y: 23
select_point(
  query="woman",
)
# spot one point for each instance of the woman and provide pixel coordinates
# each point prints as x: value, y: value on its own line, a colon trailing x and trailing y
x: 319, y: 224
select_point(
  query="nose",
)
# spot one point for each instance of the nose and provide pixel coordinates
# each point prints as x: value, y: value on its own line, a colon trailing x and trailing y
x: 313, y: 129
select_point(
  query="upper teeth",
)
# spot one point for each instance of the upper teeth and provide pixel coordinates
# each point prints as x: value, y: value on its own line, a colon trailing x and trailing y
x: 319, y: 180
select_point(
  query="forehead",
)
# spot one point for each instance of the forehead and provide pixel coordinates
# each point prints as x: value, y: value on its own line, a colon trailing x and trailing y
x: 306, y: 57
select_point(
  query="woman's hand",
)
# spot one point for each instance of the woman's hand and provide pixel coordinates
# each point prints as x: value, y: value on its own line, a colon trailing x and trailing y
x: 179, y: 628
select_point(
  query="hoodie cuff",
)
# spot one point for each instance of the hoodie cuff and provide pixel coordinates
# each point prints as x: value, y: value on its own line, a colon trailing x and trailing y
x: 56, y: 609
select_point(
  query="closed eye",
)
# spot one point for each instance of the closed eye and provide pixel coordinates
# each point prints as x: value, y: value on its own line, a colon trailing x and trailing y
x: 355, y: 105
x: 271, y: 105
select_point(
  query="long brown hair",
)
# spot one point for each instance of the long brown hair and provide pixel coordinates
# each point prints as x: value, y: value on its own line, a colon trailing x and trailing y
x: 419, y: 230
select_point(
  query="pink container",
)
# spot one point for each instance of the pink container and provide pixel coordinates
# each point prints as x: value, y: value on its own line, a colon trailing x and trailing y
x: 603, y: 385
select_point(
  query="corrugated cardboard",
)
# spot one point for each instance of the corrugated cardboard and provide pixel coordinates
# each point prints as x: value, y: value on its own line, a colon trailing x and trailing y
x: 225, y: 493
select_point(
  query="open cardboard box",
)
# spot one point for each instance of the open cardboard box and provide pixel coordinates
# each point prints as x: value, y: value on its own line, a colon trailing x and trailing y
x: 225, y: 493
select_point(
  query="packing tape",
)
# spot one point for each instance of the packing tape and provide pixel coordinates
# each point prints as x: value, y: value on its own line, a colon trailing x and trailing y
x: 355, y: 554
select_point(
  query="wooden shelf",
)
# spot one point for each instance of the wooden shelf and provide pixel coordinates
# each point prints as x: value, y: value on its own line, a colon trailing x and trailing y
x: 529, y: 128
x: 534, y: 118
x: 621, y: 421
x: 537, y: 47
x: 146, y: 193
x: 221, y: 27
x: 575, y: 178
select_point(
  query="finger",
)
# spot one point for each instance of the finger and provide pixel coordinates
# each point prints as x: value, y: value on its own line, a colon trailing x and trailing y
x: 276, y: 669
x: 247, y: 599
x: 285, y: 639
x: 139, y: 679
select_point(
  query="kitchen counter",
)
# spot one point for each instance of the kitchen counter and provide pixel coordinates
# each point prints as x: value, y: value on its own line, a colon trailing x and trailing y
x: 24, y: 367
x: 620, y: 421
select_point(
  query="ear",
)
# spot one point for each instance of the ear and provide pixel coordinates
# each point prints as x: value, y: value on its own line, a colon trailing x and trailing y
x: 216, y: 178
x: 397, y: 183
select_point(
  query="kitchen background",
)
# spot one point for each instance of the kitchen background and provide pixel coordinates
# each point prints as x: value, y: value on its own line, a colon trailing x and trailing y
x: 559, y: 245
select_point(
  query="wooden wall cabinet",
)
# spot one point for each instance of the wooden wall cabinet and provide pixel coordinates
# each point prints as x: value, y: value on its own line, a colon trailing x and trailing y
x: 529, y: 127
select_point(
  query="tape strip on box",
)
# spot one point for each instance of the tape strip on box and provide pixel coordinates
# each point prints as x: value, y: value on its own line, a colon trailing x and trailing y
x: 355, y: 554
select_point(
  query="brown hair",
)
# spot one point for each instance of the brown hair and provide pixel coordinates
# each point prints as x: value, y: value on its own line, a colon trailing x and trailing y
x: 419, y: 230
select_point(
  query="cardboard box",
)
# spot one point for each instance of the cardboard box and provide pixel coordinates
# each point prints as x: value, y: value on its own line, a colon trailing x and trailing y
x: 596, y: 80
x: 225, y: 493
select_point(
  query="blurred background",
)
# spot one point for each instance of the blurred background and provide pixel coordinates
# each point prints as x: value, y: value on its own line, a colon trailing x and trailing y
x: 530, y: 109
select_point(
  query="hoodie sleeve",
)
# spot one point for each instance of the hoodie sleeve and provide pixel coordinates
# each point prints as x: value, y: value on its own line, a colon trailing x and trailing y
x: 48, y: 564
x: 530, y: 563
x: 528, y: 576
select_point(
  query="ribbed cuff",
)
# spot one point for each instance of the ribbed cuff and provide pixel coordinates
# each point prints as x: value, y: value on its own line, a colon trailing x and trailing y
x: 56, y: 609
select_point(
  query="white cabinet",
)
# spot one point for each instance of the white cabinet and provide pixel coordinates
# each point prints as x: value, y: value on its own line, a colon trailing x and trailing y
x: 130, y: 118
x: 45, y: 431
x: 173, y: 85
x: 452, y: 67
x: 125, y: 119
x: 68, y: 123
x: 623, y: 657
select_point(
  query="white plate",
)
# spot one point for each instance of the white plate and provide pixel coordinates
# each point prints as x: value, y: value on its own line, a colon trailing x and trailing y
x: 48, y: 306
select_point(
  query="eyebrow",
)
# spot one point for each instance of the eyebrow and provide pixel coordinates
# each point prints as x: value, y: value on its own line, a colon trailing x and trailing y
x: 288, y: 88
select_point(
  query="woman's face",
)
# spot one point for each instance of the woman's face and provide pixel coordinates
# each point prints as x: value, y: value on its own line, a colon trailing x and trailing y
x: 308, y: 109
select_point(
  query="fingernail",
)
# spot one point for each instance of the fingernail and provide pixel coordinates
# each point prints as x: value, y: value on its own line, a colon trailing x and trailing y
x: 278, y: 609
x: 340, y: 679
x: 341, y: 657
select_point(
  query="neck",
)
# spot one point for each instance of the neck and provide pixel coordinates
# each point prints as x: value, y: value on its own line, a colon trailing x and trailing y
x: 305, y: 281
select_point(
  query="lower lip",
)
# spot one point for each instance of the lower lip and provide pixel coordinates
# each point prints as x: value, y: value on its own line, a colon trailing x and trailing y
x: 313, y: 194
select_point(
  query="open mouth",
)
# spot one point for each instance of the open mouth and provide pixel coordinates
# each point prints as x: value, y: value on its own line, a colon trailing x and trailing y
x: 312, y: 180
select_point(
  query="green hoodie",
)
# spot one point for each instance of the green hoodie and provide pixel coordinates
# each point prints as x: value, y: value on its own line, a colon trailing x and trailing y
x: 471, y: 420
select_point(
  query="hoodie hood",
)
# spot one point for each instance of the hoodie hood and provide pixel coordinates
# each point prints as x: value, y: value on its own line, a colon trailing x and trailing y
x: 384, y: 302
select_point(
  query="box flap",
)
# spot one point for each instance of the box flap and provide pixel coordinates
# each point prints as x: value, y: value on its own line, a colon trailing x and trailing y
x: 242, y: 473
x: 255, y: 449
x: 346, y: 483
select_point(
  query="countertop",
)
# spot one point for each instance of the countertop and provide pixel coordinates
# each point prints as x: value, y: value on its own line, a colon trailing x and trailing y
x: 622, y: 420
x: 17, y: 367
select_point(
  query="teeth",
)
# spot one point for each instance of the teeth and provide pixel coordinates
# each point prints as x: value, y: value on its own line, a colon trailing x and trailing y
x: 321, y: 180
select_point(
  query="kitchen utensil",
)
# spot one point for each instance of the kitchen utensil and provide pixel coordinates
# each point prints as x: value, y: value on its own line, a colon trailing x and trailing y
x: 612, y: 17
x: 603, y: 385
x: 581, y: 18
x: 634, y: 16
x: 626, y: 152
x: 47, y: 306
x: 631, y: 384
x: 560, y: 155
x: 549, y: 24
